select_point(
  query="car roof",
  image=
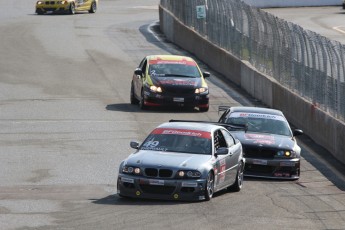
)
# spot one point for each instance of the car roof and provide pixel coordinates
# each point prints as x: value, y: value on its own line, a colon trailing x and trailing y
x: 166, y: 57
x: 205, y: 127
x: 249, y: 109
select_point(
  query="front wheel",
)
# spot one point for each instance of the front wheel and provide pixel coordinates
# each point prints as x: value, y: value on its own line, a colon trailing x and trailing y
x: 209, y: 187
x: 93, y: 7
x: 133, y: 100
x: 142, y: 101
x: 237, y: 186
x: 72, y: 9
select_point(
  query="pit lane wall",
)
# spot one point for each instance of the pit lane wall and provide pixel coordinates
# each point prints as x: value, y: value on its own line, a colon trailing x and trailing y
x: 292, y: 3
x: 317, y: 124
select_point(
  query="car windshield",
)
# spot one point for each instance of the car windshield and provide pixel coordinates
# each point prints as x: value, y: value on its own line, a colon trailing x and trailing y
x: 178, y: 140
x: 261, y: 123
x: 181, y: 70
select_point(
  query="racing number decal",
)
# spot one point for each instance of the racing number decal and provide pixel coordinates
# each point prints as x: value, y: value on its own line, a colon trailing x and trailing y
x: 222, y: 168
x: 151, y: 144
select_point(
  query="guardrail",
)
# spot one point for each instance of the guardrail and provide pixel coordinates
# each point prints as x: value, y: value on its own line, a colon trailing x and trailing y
x: 292, y: 3
x: 285, y: 66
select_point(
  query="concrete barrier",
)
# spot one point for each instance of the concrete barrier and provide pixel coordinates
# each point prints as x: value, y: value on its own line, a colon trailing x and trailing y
x: 318, y: 125
x: 292, y: 3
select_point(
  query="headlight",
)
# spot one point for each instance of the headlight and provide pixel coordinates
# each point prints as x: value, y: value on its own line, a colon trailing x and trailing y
x: 155, y: 89
x: 188, y: 174
x: 286, y: 153
x: 131, y: 170
x: 39, y: 2
x: 201, y: 90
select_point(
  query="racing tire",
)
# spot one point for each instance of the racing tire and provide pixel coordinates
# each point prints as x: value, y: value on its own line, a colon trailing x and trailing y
x: 142, y: 101
x: 133, y: 100
x: 93, y: 7
x: 71, y: 9
x: 237, y: 186
x: 209, y: 187
x: 203, y: 109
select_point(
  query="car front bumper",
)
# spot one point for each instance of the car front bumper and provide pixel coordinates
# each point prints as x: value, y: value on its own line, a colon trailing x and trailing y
x: 158, y: 99
x: 165, y: 189
x: 273, y: 168
x: 52, y: 8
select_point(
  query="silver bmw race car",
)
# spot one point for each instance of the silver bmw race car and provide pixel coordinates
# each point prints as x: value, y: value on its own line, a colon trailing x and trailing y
x: 182, y: 161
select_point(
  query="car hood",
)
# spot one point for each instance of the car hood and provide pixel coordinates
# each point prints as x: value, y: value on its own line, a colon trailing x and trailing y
x: 249, y: 139
x: 145, y: 158
x: 171, y: 81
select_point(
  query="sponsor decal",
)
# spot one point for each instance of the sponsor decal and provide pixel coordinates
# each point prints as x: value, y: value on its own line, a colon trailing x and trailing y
x: 282, y: 174
x: 178, y: 99
x: 159, y: 61
x: 156, y: 182
x: 257, y: 115
x: 288, y: 164
x: 183, y: 132
x: 189, y: 184
x: 128, y: 180
x: 259, y: 162
x: 260, y: 138
x: 177, y: 82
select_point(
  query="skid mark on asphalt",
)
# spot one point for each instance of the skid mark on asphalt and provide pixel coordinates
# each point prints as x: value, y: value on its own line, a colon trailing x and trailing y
x: 340, y: 29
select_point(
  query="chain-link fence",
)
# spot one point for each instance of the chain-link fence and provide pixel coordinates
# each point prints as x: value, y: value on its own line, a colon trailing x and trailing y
x: 303, y: 61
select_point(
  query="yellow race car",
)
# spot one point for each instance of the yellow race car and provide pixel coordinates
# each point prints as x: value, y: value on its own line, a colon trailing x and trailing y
x: 66, y: 6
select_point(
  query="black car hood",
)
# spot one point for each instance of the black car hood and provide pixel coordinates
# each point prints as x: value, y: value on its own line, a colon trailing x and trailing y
x: 265, y: 140
x: 171, y: 81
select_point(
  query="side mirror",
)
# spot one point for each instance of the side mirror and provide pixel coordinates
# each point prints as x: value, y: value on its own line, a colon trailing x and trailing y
x: 222, y: 151
x: 297, y: 132
x: 134, y: 145
x: 138, y: 71
x: 206, y: 74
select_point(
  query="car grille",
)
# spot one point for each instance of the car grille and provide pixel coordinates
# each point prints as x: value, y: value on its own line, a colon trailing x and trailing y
x: 259, y: 168
x: 177, y: 91
x: 161, y: 173
x: 49, y: 2
x: 259, y: 153
x: 157, y: 189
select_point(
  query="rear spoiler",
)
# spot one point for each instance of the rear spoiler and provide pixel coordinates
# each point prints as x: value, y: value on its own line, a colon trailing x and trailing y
x: 222, y: 108
x: 228, y: 126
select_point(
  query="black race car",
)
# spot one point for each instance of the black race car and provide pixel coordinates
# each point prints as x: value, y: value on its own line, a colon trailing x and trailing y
x: 269, y: 145
x: 169, y: 80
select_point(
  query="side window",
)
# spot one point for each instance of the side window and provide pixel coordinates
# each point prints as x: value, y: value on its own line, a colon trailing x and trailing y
x: 229, y: 139
x: 144, y: 67
x: 223, y: 117
x: 219, y: 140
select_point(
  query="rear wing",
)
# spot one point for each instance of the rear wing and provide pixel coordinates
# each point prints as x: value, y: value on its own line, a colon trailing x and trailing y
x: 228, y: 126
x: 223, y: 108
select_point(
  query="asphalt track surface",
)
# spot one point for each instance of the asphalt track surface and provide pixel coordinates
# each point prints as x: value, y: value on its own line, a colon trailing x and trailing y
x: 66, y: 123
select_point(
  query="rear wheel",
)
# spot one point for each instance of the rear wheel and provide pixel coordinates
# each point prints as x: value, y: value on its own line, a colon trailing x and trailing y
x: 72, y: 8
x: 209, y: 187
x: 93, y: 7
x: 237, y: 186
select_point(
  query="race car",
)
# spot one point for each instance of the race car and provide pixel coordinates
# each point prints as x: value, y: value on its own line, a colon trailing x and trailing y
x: 66, y: 6
x: 169, y: 80
x: 269, y: 146
x: 182, y: 161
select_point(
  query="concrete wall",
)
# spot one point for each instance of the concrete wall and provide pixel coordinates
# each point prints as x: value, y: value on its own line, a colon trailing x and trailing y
x: 292, y: 3
x: 320, y: 126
